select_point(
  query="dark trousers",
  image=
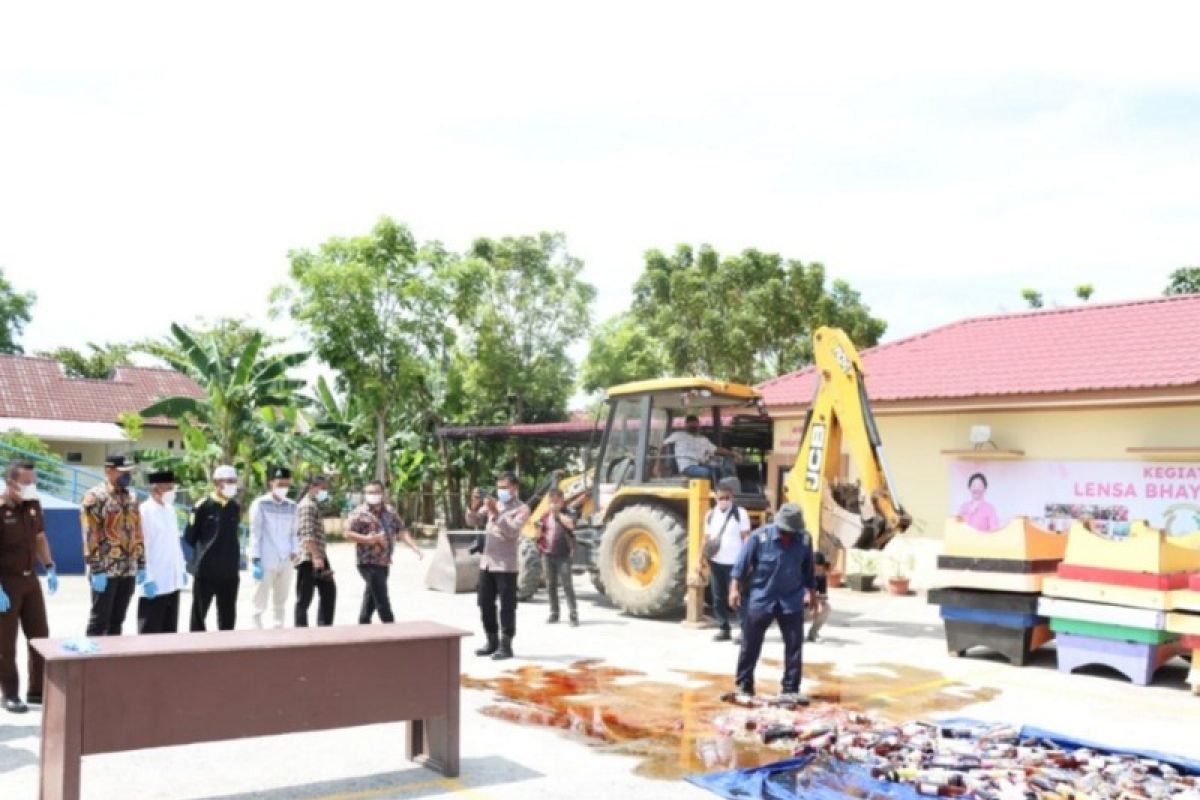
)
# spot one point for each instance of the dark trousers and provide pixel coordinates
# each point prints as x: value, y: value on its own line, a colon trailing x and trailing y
x: 754, y: 629
x: 375, y: 594
x: 502, y: 585
x: 307, y: 583
x: 28, y: 613
x: 718, y: 583
x: 558, y: 570
x: 225, y: 592
x: 160, y: 614
x: 110, y: 607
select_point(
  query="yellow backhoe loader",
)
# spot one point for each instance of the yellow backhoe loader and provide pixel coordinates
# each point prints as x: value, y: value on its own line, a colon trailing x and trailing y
x: 633, y: 500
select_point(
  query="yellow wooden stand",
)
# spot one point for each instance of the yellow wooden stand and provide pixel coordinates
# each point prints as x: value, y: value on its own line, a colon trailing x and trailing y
x: 697, y: 579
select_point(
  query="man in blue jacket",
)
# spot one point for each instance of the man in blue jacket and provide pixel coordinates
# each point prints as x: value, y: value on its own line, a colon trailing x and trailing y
x: 776, y: 564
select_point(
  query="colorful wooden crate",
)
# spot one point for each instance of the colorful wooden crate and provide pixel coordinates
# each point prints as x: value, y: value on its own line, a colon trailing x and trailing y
x: 1120, y: 577
x: 1136, y: 661
x: 1193, y: 643
x: 1145, y: 549
x: 1120, y: 633
x: 1028, y: 583
x: 1054, y: 586
x: 1019, y: 540
x: 1097, y: 612
x: 1014, y: 644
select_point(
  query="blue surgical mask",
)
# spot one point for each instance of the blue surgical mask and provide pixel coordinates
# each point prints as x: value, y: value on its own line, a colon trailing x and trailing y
x: 504, y: 495
x: 322, y: 496
x: 123, y: 480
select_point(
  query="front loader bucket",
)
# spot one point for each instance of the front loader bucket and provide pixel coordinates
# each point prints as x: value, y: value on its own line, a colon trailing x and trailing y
x: 453, y: 567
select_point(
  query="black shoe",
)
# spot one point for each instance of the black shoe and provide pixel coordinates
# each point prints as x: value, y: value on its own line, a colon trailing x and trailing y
x: 552, y: 619
x: 812, y: 637
x: 574, y: 621
x: 722, y: 635
x: 13, y: 705
x: 33, y: 699
x: 504, y: 651
x: 488, y: 649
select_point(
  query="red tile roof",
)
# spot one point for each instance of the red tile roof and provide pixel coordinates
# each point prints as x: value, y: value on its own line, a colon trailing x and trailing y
x: 36, y: 388
x: 1133, y: 345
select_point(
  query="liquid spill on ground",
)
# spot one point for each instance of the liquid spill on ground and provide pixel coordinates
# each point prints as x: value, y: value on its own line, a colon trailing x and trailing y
x: 670, y: 726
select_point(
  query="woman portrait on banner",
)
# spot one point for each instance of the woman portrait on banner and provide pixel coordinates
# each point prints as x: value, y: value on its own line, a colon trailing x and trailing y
x: 978, y: 512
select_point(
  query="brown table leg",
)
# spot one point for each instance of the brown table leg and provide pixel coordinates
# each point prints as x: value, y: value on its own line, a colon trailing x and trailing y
x: 433, y: 742
x: 62, y: 731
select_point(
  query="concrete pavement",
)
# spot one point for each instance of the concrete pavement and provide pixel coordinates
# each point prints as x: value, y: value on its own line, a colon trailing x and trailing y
x: 880, y: 652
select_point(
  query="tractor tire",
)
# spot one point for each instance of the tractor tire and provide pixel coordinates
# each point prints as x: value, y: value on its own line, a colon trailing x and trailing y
x: 643, y: 561
x: 529, y: 576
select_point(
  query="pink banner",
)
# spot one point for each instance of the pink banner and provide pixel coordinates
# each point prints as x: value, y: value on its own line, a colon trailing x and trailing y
x: 1053, y: 493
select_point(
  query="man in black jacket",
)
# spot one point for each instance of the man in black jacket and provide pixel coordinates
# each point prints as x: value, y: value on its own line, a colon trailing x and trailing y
x: 212, y: 533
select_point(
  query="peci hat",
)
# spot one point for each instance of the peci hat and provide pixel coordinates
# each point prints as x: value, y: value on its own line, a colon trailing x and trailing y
x: 119, y: 463
x: 225, y: 473
x: 161, y: 476
x: 279, y: 473
x: 790, y: 518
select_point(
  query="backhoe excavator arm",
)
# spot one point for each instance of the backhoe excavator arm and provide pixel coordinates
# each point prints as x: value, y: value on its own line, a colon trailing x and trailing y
x: 840, y: 416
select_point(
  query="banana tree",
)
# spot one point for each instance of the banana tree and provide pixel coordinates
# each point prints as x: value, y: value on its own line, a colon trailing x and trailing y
x: 238, y: 386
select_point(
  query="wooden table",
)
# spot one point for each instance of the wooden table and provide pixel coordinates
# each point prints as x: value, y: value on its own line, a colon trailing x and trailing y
x: 157, y: 691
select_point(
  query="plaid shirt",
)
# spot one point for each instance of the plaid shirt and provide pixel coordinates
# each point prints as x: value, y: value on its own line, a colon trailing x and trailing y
x: 309, y: 528
x: 365, y: 522
x: 112, y: 532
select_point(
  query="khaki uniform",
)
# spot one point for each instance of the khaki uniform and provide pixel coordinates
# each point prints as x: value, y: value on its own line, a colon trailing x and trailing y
x: 19, y: 529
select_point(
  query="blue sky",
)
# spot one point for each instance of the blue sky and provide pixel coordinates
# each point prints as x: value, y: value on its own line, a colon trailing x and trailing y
x: 157, y: 161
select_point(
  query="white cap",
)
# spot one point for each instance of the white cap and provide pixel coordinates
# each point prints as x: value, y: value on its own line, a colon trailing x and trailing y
x: 225, y: 473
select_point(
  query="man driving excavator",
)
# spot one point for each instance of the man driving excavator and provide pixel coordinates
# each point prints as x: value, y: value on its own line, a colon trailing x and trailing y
x: 693, y: 453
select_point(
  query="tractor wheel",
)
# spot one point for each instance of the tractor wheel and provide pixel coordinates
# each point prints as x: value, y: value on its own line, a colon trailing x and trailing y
x: 529, y: 577
x: 643, y: 561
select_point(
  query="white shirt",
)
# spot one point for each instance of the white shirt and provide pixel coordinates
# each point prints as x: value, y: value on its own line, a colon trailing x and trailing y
x: 690, y: 449
x: 273, y: 531
x: 164, y: 554
x: 731, y: 537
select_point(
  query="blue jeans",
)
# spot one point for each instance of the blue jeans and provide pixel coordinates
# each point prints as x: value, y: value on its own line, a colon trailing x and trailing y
x: 709, y: 472
x: 754, y: 630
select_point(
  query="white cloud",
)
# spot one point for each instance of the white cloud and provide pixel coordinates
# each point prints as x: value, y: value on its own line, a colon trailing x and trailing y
x: 158, y: 161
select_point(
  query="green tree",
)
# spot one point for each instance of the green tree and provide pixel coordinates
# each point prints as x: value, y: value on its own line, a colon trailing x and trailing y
x: 49, y: 464
x: 243, y: 391
x: 376, y: 309
x: 744, y: 317
x: 522, y: 305
x: 100, y: 362
x: 620, y: 351
x: 1033, y: 297
x: 1084, y: 291
x: 1185, y: 280
x: 15, y: 310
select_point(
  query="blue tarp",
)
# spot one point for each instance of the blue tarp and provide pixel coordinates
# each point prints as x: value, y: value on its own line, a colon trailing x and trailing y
x: 789, y: 780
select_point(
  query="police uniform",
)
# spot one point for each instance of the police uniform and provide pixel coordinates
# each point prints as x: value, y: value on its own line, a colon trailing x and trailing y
x: 777, y: 562
x: 212, y: 532
x: 20, y: 526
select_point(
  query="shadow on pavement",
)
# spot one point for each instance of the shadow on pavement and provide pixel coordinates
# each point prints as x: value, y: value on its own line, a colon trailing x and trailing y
x: 13, y: 758
x: 10, y: 732
x: 476, y: 773
x: 903, y: 630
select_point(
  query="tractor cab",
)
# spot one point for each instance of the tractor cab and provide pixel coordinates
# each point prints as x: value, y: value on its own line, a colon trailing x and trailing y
x: 645, y: 421
x: 640, y: 481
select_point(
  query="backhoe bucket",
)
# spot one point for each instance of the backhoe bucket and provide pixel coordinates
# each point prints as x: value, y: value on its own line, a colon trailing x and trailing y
x: 454, y: 568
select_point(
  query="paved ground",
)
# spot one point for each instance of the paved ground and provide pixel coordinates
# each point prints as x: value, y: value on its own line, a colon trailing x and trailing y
x: 507, y: 761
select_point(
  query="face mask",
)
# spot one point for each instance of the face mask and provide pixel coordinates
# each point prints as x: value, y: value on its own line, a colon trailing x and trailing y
x: 373, y: 499
x: 280, y: 492
x: 504, y: 495
x: 230, y: 490
x: 724, y: 505
x: 123, y: 480
x: 168, y: 498
x: 322, y: 496
x: 29, y: 492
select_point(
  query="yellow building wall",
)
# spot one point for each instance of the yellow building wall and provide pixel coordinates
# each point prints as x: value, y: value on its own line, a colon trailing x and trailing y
x: 94, y: 453
x: 913, y: 444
